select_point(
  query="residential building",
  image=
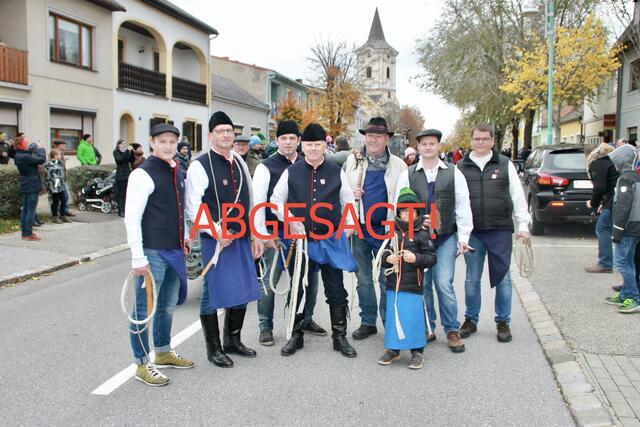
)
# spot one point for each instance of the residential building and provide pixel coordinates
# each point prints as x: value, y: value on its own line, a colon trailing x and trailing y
x: 571, y: 131
x: 628, y: 96
x: 600, y: 113
x: 248, y: 113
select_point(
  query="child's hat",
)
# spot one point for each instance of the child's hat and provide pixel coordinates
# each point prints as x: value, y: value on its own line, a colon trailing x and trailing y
x: 407, y: 196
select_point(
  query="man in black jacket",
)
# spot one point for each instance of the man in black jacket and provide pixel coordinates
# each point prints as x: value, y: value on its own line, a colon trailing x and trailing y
x: 28, y: 158
x: 604, y: 176
x: 124, y: 157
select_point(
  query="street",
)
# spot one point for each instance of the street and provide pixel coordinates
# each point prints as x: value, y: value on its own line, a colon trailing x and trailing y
x: 65, y: 337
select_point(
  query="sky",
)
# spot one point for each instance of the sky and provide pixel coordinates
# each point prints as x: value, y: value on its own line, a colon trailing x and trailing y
x: 279, y: 34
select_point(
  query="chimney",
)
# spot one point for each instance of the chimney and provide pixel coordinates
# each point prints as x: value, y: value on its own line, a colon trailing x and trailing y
x: 299, y: 81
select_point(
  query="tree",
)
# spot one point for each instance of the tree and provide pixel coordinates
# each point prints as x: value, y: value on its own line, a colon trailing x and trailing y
x: 461, y: 134
x: 335, y: 75
x: 409, y: 123
x: 582, y: 63
x: 290, y: 109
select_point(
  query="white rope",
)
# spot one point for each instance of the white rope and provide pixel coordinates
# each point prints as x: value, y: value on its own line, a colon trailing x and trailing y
x: 123, y: 305
x: 274, y: 265
x: 261, y: 267
x: 301, y: 248
x: 523, y: 253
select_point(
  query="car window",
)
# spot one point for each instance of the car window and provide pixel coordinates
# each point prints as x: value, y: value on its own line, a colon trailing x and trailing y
x: 532, y: 159
x: 567, y: 160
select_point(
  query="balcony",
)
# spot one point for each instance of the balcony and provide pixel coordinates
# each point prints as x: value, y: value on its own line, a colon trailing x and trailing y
x: 14, y: 65
x: 189, y: 91
x: 142, y: 80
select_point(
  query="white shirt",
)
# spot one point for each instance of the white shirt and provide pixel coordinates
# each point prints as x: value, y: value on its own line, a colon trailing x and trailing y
x: 520, y: 209
x: 281, y: 195
x: 197, y: 183
x: 464, y: 217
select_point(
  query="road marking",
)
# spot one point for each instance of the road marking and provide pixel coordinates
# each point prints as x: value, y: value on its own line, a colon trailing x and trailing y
x: 564, y: 246
x: 123, y: 376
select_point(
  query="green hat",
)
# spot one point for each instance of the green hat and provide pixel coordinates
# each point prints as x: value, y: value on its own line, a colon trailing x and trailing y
x: 407, y: 196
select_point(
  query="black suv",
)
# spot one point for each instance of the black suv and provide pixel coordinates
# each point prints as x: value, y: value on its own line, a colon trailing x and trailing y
x: 556, y: 186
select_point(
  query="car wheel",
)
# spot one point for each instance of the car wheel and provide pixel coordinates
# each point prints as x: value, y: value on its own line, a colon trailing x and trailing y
x: 535, y: 227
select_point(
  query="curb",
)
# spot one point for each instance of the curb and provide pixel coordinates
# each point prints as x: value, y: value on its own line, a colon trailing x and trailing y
x: 581, y: 396
x: 25, y: 275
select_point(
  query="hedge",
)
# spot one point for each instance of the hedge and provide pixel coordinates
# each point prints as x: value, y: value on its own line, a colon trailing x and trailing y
x: 10, y: 196
x: 79, y: 176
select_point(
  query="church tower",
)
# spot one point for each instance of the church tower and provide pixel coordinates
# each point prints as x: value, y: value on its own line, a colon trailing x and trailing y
x: 377, y: 64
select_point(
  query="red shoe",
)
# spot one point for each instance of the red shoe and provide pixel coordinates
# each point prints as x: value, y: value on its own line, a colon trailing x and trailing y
x: 32, y: 237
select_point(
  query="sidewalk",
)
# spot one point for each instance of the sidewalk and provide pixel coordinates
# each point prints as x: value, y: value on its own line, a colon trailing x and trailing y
x: 90, y: 235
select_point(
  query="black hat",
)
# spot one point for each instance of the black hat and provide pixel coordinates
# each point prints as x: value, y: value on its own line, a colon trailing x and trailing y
x: 219, y: 118
x: 286, y: 127
x: 377, y: 125
x: 181, y: 145
x: 242, y: 138
x: 135, y: 145
x: 429, y: 132
x: 314, y: 132
x: 59, y: 141
x: 162, y: 128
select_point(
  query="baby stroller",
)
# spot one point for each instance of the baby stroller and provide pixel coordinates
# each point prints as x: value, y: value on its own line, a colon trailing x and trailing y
x: 99, y: 194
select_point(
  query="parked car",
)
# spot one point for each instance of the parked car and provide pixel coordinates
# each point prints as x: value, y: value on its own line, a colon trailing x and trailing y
x: 557, y: 186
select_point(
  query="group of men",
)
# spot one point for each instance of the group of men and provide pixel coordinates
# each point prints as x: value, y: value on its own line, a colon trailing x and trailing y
x: 335, y: 219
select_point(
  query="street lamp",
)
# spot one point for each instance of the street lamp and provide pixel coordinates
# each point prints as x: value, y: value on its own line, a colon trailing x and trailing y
x: 531, y: 10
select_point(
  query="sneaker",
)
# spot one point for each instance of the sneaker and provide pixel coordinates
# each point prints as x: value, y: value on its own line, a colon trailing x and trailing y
x: 455, y: 343
x: 266, y: 338
x: 38, y: 224
x: 65, y: 219
x: 315, y: 329
x: 32, y: 237
x: 149, y: 375
x: 616, y: 288
x: 504, y: 332
x: 389, y: 357
x: 417, y: 360
x: 56, y: 220
x: 364, y: 331
x: 597, y: 269
x: 629, y: 306
x: 614, y: 300
x: 468, y: 328
x: 171, y: 359
x: 69, y: 214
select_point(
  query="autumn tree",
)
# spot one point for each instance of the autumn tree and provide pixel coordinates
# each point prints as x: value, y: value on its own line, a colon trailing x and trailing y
x: 582, y: 63
x: 289, y: 109
x: 460, y: 136
x: 409, y: 122
x: 334, y: 73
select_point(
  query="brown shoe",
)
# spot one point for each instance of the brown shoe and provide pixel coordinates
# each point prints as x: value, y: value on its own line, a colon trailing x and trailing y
x: 455, y: 343
x: 597, y: 269
x: 56, y: 220
x: 65, y: 219
x: 468, y: 328
x: 504, y: 332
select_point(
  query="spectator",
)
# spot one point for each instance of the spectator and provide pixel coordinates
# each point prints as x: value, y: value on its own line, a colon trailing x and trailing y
x: 60, y: 145
x: 124, y: 157
x: 183, y: 156
x: 330, y: 145
x: 342, y: 151
x: 138, y: 153
x: 255, y: 146
x: 410, y: 156
x: 604, y: 176
x: 86, y: 153
x: 27, y: 159
x: 4, y: 149
x: 241, y: 146
x: 55, y: 183
x: 524, y: 153
x: 457, y: 155
x: 621, y: 142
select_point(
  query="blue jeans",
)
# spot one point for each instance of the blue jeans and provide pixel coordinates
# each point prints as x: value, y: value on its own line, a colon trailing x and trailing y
x: 28, y: 214
x: 166, y: 296
x: 604, y: 230
x: 623, y: 258
x: 442, y: 275
x: 266, y: 303
x: 472, y: 288
x: 65, y: 201
x: 364, y: 255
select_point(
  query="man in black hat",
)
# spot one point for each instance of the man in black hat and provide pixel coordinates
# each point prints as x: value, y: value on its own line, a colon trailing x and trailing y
x: 156, y: 235
x: 266, y: 176
x: 218, y: 178
x: 444, y: 187
x: 310, y: 182
x: 241, y: 146
x: 372, y: 173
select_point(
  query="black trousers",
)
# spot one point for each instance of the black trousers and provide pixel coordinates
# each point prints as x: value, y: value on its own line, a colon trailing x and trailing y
x: 57, y: 200
x: 121, y: 190
x: 332, y: 280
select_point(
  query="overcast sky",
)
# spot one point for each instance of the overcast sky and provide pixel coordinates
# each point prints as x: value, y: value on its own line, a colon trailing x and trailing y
x: 278, y: 35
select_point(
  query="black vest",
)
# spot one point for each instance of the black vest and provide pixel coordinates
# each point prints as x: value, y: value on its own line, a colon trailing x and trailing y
x: 227, y: 181
x: 491, y: 202
x: 276, y: 165
x: 445, y: 196
x: 309, y: 186
x: 162, y: 220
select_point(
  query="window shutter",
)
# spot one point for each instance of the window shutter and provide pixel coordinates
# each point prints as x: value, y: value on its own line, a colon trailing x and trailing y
x: 154, y: 121
x: 198, y: 138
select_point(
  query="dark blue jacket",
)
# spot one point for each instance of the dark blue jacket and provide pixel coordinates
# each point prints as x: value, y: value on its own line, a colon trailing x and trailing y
x: 27, y: 163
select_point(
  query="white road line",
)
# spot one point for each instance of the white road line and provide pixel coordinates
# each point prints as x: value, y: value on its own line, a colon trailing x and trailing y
x: 123, y: 376
x: 564, y: 246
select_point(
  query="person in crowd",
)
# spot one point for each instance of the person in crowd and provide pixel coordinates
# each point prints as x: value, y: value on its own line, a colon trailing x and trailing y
x: 496, y: 195
x: 55, y: 183
x: 241, y: 146
x: 372, y: 173
x: 603, y: 175
x: 457, y: 155
x: 183, y: 156
x: 157, y: 237
x: 60, y: 145
x: 217, y: 178
x: 138, y: 154
x: 4, y: 149
x: 342, y: 151
x: 86, y: 153
x: 331, y: 148
x: 256, y: 146
x: 27, y: 158
x: 405, y: 327
x: 410, y: 156
x: 621, y: 142
x: 124, y: 158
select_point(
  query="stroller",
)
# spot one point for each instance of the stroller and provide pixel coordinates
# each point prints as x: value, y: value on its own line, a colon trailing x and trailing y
x: 99, y: 194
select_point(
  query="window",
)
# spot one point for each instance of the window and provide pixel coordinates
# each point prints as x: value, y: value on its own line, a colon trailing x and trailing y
x: 156, y: 61
x: 567, y: 159
x: 70, y: 42
x: 69, y: 125
x: 388, y: 94
x: 388, y: 73
x: 254, y: 130
x: 10, y: 131
x: 71, y: 137
x: 632, y: 133
x: 120, y: 50
x: 193, y: 132
x: 634, y: 75
x: 238, y: 130
x: 368, y: 72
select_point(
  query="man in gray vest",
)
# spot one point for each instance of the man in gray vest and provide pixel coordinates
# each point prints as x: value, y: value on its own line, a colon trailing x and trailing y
x: 496, y: 196
x: 444, y: 190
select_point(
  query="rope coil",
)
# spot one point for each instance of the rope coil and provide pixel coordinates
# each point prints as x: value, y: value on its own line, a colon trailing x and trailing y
x: 523, y: 253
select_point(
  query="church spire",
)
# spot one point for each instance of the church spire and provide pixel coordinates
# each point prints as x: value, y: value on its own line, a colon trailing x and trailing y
x: 376, y: 35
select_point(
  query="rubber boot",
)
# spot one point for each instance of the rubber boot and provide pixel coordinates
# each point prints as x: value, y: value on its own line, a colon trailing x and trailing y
x: 339, y: 329
x: 233, y: 321
x: 212, y: 340
x: 297, y: 337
